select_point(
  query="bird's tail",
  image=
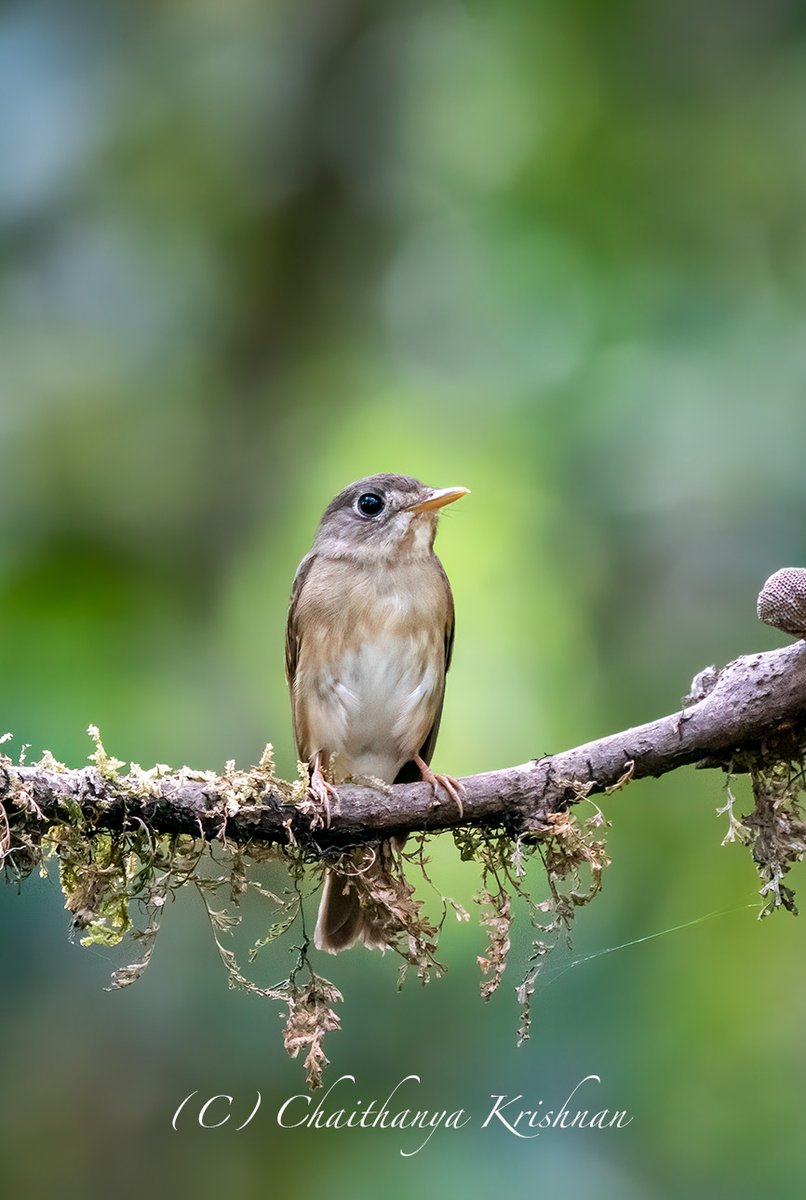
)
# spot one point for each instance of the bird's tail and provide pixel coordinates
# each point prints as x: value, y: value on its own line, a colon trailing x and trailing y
x: 343, y: 920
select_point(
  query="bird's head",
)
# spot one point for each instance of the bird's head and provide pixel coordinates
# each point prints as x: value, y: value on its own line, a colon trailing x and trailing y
x: 383, y: 517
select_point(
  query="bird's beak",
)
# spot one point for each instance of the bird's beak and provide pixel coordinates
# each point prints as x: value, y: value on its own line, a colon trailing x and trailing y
x: 438, y: 498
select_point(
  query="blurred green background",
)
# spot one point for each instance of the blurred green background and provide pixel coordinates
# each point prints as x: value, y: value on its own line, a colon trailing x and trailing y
x: 555, y: 253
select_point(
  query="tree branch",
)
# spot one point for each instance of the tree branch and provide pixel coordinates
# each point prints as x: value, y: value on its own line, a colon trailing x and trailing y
x: 756, y: 698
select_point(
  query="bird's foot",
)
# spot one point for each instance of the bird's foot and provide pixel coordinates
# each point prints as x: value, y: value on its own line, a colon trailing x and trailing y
x: 452, y: 786
x: 320, y: 792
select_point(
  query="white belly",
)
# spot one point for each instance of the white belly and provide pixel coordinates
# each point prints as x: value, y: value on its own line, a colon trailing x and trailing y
x: 374, y: 709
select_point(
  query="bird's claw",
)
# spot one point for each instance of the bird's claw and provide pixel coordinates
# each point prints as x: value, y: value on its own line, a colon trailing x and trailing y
x: 452, y: 786
x: 320, y: 791
x: 454, y: 789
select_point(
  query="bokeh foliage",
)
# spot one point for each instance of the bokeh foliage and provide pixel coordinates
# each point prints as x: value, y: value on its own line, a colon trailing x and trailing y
x: 555, y: 253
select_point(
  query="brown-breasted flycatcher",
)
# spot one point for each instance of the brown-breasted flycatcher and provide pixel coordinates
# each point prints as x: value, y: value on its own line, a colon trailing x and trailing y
x: 368, y: 643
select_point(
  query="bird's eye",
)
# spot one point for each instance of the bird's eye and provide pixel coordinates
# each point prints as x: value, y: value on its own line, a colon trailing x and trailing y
x: 370, y: 504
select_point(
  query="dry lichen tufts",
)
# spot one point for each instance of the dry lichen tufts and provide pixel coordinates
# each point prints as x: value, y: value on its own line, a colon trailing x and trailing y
x: 573, y: 857
x: 117, y: 883
x: 775, y: 830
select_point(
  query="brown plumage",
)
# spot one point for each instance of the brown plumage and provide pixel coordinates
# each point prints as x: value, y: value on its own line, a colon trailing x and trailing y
x: 368, y: 643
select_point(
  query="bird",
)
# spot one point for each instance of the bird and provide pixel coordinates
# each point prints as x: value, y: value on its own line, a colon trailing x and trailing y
x: 369, y: 640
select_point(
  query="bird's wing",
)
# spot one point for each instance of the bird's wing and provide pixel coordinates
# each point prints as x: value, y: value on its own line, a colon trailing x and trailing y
x: 409, y: 773
x: 293, y: 640
x: 292, y: 631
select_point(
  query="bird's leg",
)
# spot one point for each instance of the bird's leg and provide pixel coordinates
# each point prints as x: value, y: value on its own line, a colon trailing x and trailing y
x: 452, y: 786
x: 319, y: 790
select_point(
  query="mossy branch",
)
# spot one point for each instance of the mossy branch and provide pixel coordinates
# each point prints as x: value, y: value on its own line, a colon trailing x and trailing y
x: 754, y: 701
x: 133, y: 837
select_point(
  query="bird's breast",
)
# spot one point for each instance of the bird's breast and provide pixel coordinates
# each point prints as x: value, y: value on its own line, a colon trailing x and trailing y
x: 371, y: 670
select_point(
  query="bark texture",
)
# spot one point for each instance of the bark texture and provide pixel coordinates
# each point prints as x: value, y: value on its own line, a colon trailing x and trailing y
x: 755, y: 699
